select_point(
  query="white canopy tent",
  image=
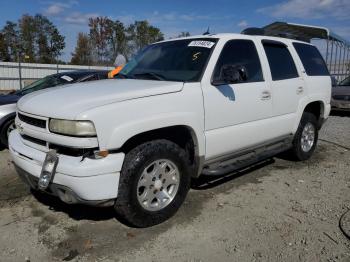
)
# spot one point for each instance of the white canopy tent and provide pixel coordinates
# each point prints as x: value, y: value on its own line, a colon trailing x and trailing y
x: 337, y: 48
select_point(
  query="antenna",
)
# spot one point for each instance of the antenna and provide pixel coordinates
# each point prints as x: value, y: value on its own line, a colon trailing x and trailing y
x: 207, y: 32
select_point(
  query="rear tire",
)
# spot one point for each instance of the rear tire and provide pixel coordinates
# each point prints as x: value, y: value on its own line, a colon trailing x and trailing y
x: 305, y: 139
x: 154, y: 182
x: 5, y: 131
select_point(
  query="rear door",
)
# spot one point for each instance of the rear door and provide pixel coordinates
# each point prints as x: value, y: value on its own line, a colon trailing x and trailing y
x: 317, y: 77
x: 286, y: 83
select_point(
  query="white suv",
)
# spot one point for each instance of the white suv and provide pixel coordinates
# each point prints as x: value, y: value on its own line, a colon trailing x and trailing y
x: 203, y: 105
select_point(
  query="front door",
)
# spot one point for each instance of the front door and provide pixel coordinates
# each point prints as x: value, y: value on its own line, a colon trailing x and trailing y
x: 235, y: 114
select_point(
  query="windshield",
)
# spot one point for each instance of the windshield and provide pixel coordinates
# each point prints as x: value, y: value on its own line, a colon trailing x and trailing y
x: 345, y: 82
x: 43, y: 83
x: 178, y: 60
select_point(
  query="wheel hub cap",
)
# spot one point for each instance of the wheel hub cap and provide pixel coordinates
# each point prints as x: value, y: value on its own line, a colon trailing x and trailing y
x: 308, y: 137
x: 158, y: 185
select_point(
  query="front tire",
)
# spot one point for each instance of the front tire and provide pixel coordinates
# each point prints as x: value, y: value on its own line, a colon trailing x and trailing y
x: 305, y: 139
x: 154, y: 182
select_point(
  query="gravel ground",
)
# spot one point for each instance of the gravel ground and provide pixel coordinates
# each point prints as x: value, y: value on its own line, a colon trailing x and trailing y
x: 275, y: 211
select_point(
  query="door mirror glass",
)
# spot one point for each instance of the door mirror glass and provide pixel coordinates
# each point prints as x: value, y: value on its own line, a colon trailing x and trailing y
x: 231, y: 74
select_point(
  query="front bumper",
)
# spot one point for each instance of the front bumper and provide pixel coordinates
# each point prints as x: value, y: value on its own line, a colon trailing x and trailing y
x: 340, y: 104
x: 90, y: 181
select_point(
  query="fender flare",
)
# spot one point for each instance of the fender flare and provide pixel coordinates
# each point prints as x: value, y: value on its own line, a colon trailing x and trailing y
x: 303, y: 104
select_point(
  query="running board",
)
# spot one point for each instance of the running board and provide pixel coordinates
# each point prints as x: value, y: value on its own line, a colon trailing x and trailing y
x: 246, y: 157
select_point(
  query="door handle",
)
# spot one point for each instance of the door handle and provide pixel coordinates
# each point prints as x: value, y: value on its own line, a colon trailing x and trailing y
x: 266, y: 95
x: 300, y: 90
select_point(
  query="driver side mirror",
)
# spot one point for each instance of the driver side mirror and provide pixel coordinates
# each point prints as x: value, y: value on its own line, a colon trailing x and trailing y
x: 231, y: 74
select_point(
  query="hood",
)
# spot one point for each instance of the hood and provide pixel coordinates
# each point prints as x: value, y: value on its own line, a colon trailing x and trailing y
x: 341, y: 90
x: 9, y: 99
x: 68, y: 101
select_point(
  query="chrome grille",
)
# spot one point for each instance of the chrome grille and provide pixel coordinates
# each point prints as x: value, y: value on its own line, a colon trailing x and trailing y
x: 34, y: 140
x: 32, y: 121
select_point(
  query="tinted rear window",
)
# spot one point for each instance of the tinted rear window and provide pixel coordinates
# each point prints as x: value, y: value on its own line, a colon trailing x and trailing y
x: 312, y: 60
x: 280, y: 60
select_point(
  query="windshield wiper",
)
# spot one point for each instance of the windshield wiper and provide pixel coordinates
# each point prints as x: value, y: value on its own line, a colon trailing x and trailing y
x: 123, y: 76
x: 150, y: 75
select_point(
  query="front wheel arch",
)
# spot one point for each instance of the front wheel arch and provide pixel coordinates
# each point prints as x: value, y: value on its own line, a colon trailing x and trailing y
x: 3, y: 128
x: 182, y: 135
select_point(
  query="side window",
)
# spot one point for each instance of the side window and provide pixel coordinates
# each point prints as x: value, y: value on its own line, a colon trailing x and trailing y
x: 280, y: 60
x: 312, y: 60
x: 240, y: 53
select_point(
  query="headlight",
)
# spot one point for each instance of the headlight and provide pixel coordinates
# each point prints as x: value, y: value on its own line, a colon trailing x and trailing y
x: 72, y: 128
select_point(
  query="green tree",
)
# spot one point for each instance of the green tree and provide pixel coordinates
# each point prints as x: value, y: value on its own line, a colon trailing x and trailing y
x: 4, y: 51
x: 49, y: 41
x: 57, y: 43
x: 109, y: 38
x: 100, y: 32
x: 11, y: 40
x: 142, y: 33
x: 35, y: 38
x: 118, y: 40
x: 82, y: 52
x: 27, y: 34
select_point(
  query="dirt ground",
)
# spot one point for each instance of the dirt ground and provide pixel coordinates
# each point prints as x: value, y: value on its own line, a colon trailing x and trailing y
x: 275, y: 211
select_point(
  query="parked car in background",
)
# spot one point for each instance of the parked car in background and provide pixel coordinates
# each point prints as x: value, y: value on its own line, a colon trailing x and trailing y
x: 341, y: 95
x: 8, y: 102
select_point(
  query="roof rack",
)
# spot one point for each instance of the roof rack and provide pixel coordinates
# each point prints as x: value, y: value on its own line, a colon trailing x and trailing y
x: 337, y: 48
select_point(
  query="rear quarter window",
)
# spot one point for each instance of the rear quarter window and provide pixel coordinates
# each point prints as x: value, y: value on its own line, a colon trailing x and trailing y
x: 312, y: 60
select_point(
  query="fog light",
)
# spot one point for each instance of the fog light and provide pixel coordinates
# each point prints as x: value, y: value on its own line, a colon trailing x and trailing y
x: 48, y: 170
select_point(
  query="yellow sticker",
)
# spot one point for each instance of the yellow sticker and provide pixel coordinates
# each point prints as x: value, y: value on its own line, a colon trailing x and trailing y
x: 196, y: 56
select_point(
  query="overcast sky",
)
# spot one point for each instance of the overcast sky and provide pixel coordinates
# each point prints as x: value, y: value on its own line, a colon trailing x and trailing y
x: 173, y: 17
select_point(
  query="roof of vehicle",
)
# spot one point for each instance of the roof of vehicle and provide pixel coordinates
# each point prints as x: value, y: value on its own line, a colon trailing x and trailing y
x: 228, y: 36
x: 284, y: 30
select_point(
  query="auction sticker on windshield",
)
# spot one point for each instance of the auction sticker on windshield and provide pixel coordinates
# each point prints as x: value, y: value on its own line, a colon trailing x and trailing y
x: 67, y: 78
x: 207, y: 44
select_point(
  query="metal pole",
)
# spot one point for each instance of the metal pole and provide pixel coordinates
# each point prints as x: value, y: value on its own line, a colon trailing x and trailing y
x: 339, y: 62
x: 327, y: 50
x: 331, y: 58
x: 343, y: 63
x: 335, y: 60
x: 20, y: 72
x: 348, y: 62
x: 57, y: 65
